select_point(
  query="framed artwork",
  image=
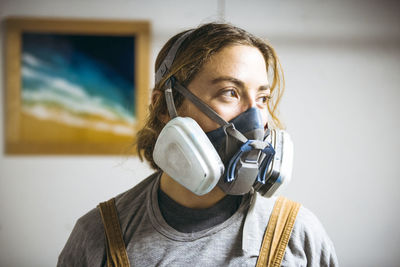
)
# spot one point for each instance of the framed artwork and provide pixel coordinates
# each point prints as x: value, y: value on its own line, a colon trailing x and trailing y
x: 75, y: 86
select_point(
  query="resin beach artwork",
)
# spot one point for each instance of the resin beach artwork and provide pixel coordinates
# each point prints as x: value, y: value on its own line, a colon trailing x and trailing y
x: 77, y: 87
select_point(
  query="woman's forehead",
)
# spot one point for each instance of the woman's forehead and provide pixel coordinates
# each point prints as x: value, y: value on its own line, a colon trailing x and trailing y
x: 237, y: 62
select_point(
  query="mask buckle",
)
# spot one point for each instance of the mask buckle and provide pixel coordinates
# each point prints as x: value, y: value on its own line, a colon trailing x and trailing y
x: 269, y: 152
x: 248, y: 146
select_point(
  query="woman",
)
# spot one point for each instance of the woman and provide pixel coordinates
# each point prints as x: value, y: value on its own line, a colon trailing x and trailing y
x: 177, y: 218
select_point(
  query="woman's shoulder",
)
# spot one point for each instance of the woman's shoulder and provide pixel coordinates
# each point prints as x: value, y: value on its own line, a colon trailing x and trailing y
x: 85, y: 245
x: 125, y: 202
x: 307, y: 225
x: 309, y: 242
x: 132, y: 203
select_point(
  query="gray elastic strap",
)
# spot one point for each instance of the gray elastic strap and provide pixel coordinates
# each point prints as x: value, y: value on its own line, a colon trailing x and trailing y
x: 229, y: 128
x: 169, y: 59
x: 170, y: 103
x: 199, y: 104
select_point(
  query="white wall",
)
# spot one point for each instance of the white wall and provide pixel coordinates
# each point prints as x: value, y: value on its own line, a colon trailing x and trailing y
x: 341, y: 61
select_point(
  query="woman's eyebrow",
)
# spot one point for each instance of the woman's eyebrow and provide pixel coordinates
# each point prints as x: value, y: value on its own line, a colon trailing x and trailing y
x: 237, y: 82
x: 264, y: 88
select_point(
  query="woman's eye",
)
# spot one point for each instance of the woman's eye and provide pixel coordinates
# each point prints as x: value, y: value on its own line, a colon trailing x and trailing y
x: 264, y: 99
x: 230, y: 93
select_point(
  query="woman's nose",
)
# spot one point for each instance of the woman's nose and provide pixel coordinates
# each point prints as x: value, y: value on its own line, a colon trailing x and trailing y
x: 249, y: 102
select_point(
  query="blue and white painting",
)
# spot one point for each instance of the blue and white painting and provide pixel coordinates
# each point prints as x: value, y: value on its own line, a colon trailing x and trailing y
x: 79, y: 81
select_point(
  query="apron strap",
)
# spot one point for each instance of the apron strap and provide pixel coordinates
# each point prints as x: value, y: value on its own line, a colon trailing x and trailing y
x: 115, y: 245
x: 277, y: 234
x: 272, y: 250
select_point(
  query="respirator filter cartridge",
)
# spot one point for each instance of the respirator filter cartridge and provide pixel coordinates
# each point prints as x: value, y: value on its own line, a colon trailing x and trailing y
x: 185, y: 153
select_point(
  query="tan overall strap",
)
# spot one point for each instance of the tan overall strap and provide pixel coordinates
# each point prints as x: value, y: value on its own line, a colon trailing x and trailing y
x: 116, y: 251
x: 278, y: 232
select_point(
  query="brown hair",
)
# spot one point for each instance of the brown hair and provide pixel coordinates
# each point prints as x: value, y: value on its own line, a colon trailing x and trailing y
x: 196, y: 49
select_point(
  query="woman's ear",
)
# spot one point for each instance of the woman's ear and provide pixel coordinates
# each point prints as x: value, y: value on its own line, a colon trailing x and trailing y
x: 156, y: 96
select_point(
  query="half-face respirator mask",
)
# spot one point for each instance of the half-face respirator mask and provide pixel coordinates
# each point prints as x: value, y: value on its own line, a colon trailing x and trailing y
x: 237, y: 156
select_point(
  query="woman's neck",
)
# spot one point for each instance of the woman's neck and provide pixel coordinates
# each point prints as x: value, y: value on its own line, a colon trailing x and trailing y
x: 186, y: 197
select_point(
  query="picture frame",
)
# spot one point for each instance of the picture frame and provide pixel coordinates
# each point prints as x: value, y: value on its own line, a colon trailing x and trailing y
x: 75, y: 86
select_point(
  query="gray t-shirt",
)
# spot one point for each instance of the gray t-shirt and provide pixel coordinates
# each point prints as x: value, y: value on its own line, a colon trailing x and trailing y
x: 150, y: 241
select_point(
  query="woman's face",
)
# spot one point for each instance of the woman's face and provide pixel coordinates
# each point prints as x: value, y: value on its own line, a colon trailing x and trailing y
x: 232, y: 81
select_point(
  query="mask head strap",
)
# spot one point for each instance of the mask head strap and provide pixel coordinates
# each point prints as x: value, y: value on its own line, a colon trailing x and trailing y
x: 169, y: 59
x: 228, y: 127
x: 164, y: 68
x: 198, y: 103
